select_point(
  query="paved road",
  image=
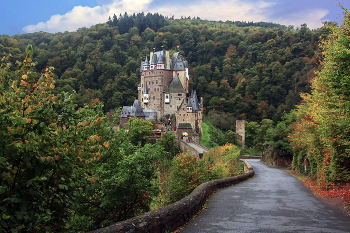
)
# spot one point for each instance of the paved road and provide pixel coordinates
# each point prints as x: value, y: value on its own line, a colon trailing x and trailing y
x: 272, y: 201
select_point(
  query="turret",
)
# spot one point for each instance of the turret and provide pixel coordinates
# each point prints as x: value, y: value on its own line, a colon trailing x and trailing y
x: 146, y: 64
x: 154, y: 61
x: 189, y: 105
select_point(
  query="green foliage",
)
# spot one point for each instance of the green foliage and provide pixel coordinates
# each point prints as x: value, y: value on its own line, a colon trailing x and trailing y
x: 248, y: 70
x: 139, y: 131
x: 186, y: 174
x: 40, y: 137
x: 321, y: 133
x: 168, y: 143
x: 226, y: 160
x: 205, y: 139
x: 213, y: 137
x: 64, y: 168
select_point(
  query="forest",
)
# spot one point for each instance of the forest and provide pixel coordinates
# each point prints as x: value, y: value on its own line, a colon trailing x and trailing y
x: 289, y: 84
x: 249, y: 70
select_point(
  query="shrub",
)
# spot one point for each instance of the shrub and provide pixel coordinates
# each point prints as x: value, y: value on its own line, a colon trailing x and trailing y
x: 187, y: 173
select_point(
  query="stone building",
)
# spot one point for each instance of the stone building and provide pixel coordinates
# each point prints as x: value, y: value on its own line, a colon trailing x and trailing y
x: 163, y: 82
x: 131, y: 111
x: 190, y: 112
x: 163, y: 91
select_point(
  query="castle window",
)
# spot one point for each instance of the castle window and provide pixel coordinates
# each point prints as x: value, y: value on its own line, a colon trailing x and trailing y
x: 180, y: 114
x: 142, y: 85
x: 187, y: 114
x: 152, y: 82
x: 183, y: 119
x: 149, y: 82
x: 154, y: 97
x: 156, y: 81
x: 179, y: 94
x: 142, y: 92
x: 157, y: 89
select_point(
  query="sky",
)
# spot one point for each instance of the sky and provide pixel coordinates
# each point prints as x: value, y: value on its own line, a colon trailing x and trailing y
x: 27, y: 16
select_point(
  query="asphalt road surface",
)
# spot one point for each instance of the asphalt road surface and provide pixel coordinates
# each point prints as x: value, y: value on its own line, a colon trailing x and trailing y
x: 272, y: 201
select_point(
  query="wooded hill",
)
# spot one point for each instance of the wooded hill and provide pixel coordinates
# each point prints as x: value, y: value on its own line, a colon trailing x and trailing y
x: 250, y: 70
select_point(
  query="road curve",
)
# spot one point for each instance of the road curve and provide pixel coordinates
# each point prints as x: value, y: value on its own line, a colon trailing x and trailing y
x: 272, y: 201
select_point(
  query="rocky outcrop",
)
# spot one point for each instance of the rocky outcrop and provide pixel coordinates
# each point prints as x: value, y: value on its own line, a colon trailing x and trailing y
x: 271, y: 157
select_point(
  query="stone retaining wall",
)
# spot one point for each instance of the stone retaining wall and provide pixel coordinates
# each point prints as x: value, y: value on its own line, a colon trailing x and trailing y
x: 184, y: 147
x: 171, y: 217
x: 247, y: 167
x: 250, y: 157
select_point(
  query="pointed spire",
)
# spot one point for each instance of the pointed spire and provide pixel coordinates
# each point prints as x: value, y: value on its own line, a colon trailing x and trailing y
x: 176, y: 85
x: 195, y: 105
x: 154, y: 59
x: 146, y: 61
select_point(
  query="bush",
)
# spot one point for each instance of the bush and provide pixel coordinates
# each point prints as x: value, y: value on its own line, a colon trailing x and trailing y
x: 186, y: 174
x: 226, y: 160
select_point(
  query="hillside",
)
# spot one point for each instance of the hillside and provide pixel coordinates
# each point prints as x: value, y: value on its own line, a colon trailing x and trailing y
x: 250, y: 70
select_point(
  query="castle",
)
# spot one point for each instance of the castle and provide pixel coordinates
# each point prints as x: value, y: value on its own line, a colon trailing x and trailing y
x: 164, y: 91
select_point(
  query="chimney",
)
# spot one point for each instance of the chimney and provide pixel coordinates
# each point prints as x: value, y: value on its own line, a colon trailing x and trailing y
x: 150, y: 57
x: 167, y: 60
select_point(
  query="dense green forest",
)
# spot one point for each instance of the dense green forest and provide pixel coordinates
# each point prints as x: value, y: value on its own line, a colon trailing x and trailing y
x: 60, y: 158
x: 248, y: 70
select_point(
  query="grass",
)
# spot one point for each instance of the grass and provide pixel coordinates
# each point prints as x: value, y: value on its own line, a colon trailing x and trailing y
x: 206, y: 136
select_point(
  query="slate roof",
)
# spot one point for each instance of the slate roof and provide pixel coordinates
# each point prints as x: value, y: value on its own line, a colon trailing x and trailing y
x: 189, y: 104
x: 126, y: 111
x: 195, y: 104
x: 146, y: 61
x: 184, y: 126
x: 134, y: 110
x: 141, y: 68
x: 137, y: 109
x: 176, y: 62
x: 175, y: 86
x: 158, y: 57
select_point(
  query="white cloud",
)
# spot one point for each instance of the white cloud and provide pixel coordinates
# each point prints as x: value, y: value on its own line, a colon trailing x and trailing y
x: 313, y: 18
x: 238, y: 10
x: 83, y: 16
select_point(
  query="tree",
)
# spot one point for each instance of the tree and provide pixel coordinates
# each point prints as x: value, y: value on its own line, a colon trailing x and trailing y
x: 323, y: 127
x: 42, y: 155
x: 169, y: 144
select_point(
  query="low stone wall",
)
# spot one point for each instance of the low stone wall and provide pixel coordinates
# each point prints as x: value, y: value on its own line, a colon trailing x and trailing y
x: 250, y: 157
x: 201, y: 146
x: 247, y: 167
x: 184, y: 147
x: 171, y: 217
